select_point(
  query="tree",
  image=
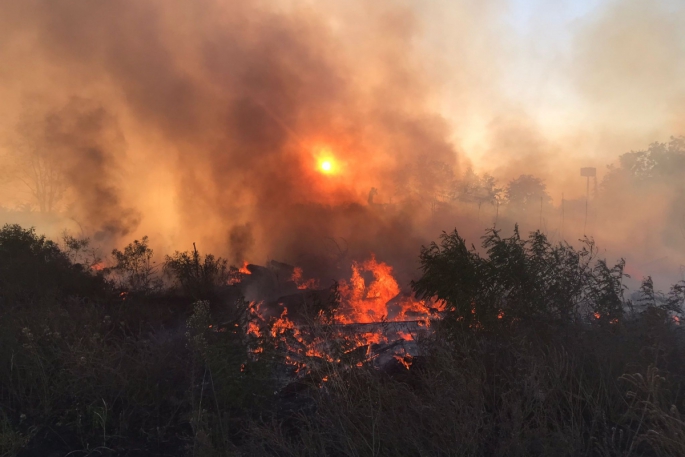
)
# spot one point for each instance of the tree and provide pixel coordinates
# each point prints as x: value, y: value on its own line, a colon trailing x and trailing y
x: 41, y: 173
x: 525, y: 193
x: 476, y: 189
x: 660, y: 162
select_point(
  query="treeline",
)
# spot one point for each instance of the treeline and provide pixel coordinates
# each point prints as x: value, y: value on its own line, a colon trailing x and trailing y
x: 539, y: 352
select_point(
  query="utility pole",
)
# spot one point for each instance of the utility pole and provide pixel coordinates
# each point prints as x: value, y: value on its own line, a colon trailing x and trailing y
x: 562, y: 216
x: 540, y: 225
x: 496, y: 212
x: 587, y: 172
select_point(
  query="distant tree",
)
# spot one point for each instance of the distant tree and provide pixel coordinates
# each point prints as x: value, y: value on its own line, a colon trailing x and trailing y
x: 476, y: 189
x: 33, y: 162
x: 525, y: 193
x: 41, y: 174
x: 427, y: 180
x: 659, y: 163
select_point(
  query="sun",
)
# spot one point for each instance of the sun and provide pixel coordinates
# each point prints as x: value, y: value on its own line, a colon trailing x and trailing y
x: 326, y: 163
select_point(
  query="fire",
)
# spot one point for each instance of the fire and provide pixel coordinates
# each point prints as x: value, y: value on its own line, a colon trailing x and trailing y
x: 368, y: 303
x: 406, y: 360
x: 373, y: 315
x: 405, y: 336
x: 297, y: 279
x: 244, y: 269
x: 235, y: 275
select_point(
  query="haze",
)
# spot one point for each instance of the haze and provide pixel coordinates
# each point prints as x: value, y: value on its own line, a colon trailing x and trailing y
x: 257, y: 129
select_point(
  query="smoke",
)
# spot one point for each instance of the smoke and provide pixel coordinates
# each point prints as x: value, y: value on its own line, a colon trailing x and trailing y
x: 208, y: 121
x: 241, y: 241
x: 89, y: 146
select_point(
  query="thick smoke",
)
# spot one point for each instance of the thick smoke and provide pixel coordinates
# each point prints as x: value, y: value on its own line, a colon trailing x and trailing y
x: 89, y: 146
x: 207, y: 121
x: 237, y: 102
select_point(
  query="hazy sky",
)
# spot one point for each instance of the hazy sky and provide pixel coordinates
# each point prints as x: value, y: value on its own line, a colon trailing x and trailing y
x: 607, y: 71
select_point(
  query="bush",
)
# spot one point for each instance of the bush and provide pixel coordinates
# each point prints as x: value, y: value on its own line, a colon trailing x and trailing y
x: 136, y: 268
x: 520, y: 281
x: 83, y: 370
x: 197, y: 277
x: 34, y: 271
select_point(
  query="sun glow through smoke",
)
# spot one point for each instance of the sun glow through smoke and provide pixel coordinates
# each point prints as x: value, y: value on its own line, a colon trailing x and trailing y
x: 326, y: 164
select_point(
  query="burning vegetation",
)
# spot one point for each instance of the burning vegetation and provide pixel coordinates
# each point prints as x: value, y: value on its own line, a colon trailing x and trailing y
x: 322, y: 136
x: 267, y: 361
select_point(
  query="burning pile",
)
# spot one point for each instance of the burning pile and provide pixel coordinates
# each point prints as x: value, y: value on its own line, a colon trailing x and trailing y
x: 364, y: 319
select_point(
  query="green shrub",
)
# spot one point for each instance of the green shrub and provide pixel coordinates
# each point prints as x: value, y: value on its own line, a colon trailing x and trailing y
x: 519, y: 281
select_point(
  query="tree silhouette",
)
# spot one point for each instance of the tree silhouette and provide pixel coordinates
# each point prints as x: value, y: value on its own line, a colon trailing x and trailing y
x: 476, y: 189
x: 525, y: 193
x: 37, y: 168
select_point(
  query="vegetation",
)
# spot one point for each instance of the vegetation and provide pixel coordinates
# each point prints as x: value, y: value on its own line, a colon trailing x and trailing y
x: 196, y: 276
x: 539, y: 352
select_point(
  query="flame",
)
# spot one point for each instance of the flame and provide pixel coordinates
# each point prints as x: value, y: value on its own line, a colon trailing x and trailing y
x: 235, y: 275
x: 368, y: 303
x: 98, y: 266
x: 297, y: 279
x: 244, y: 269
x: 359, y: 328
x: 404, y: 359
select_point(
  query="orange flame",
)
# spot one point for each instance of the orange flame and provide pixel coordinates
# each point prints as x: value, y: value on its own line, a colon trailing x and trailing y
x: 244, y: 269
x: 368, y: 303
x: 297, y: 279
x: 365, y: 300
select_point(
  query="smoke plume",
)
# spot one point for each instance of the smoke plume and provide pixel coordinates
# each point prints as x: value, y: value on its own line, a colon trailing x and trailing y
x: 257, y: 129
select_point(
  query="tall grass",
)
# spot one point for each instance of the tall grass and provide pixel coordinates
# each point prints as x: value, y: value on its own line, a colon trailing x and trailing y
x: 520, y: 365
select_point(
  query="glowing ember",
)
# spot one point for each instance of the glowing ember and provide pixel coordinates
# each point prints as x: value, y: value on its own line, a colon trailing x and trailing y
x: 405, y: 336
x: 405, y: 360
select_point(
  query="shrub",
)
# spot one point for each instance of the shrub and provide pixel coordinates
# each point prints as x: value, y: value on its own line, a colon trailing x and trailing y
x: 198, y: 277
x: 33, y: 270
x: 136, y: 268
x: 519, y: 281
